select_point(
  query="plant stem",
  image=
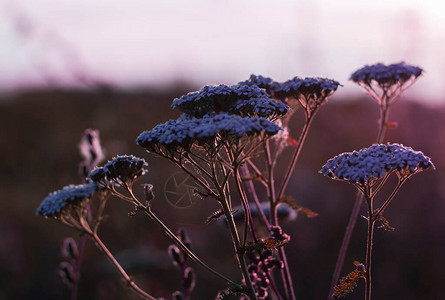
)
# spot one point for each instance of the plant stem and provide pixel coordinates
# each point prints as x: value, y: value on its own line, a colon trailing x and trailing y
x: 239, y: 249
x: 184, y: 247
x: 371, y: 222
x: 127, y: 278
x: 291, y: 167
x: 245, y: 203
x: 251, y: 189
x: 345, y: 242
x: 384, y: 111
x: 285, y: 273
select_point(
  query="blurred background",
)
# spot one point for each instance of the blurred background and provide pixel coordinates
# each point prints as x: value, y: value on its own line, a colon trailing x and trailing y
x: 116, y: 66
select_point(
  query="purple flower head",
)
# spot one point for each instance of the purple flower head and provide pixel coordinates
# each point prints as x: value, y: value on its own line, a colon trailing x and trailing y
x: 124, y: 169
x: 375, y: 162
x: 259, y: 107
x: 265, y: 83
x: 221, y: 98
x: 98, y: 175
x: 184, y: 132
x: 309, y: 87
x: 61, y: 200
x: 386, y: 75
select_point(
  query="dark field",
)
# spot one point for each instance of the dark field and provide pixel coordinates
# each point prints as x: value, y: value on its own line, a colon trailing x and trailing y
x: 40, y: 132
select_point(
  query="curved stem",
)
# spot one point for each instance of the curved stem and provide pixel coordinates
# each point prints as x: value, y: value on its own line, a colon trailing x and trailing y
x: 127, y: 278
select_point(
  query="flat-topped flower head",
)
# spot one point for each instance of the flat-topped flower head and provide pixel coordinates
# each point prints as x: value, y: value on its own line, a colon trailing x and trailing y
x: 70, y: 196
x: 309, y: 92
x: 259, y: 107
x: 217, y: 99
x: 183, y: 132
x: 265, y: 83
x: 386, y: 75
x: 98, y: 175
x: 309, y: 87
x: 375, y: 162
x: 124, y: 169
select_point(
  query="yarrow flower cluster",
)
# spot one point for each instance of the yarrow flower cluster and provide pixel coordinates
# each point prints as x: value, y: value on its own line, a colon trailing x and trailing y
x: 72, y: 195
x: 309, y: 87
x: 183, y: 133
x: 375, y: 162
x: 124, y: 169
x: 261, y: 107
x: 265, y: 83
x: 216, y: 99
x: 386, y: 75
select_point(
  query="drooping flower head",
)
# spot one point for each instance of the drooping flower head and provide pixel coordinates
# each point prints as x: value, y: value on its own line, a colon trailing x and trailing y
x: 310, y: 91
x: 369, y: 164
x: 183, y: 133
x: 392, y: 80
x: 124, y: 169
x: 240, y: 99
x: 63, y: 200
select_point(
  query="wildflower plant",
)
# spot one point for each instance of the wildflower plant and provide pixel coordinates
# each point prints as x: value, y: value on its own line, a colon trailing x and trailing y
x: 368, y: 169
x: 233, y: 136
x: 385, y: 84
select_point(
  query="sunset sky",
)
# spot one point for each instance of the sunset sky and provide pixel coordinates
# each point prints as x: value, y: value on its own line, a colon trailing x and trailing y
x: 140, y: 42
